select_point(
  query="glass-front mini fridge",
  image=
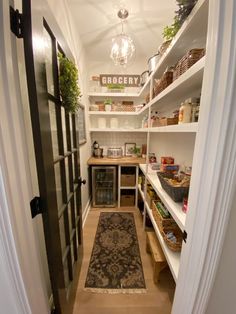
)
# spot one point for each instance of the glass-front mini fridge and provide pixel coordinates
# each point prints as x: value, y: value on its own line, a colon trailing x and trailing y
x: 104, y: 186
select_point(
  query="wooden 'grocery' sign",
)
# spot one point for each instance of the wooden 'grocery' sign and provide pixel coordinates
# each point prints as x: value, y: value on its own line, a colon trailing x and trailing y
x: 126, y: 80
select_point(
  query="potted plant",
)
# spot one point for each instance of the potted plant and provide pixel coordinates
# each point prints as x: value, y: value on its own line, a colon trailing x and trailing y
x: 68, y: 82
x: 108, y: 104
x: 169, y: 32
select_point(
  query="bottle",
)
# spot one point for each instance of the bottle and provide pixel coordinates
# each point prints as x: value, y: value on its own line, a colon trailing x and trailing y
x: 185, y: 112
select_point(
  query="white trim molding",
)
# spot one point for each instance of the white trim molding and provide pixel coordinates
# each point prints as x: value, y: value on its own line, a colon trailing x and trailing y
x: 213, y: 182
x: 86, y: 211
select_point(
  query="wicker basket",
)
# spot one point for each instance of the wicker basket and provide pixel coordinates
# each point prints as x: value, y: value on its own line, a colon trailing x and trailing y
x: 162, y: 222
x: 163, y: 82
x: 165, y: 121
x: 176, y: 193
x: 178, y: 234
x: 127, y: 108
x: 191, y: 57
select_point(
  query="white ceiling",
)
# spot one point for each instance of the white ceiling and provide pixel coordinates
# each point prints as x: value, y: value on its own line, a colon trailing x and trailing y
x: 96, y: 22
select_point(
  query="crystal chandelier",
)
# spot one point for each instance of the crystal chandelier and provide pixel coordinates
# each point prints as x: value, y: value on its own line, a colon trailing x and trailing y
x: 123, y: 47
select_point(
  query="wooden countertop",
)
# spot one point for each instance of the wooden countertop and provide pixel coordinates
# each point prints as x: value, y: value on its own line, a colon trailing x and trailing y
x: 116, y: 161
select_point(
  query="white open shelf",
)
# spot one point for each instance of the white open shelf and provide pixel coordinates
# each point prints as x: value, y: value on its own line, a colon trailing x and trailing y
x: 119, y: 130
x: 173, y: 258
x: 174, y: 208
x: 185, y: 127
x: 188, y: 82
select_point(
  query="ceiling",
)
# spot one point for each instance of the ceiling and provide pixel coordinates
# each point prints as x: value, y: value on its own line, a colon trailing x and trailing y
x: 96, y: 22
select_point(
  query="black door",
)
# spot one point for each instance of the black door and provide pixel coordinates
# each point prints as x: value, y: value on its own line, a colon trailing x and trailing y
x: 57, y: 152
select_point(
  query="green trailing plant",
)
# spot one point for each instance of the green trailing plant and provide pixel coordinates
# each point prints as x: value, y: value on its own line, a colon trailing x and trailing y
x: 169, y: 32
x: 68, y: 81
x: 115, y: 86
x: 185, y: 7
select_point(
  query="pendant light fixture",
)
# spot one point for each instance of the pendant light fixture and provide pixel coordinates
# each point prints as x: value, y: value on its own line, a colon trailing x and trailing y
x: 123, y: 47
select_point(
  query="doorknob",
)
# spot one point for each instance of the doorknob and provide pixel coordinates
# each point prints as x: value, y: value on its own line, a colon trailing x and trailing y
x: 81, y: 181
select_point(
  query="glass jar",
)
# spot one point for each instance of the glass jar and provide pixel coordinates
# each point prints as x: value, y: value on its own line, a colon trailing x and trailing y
x: 94, y: 84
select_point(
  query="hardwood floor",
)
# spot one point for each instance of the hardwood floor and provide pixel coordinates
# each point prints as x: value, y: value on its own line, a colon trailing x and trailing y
x: 157, y: 300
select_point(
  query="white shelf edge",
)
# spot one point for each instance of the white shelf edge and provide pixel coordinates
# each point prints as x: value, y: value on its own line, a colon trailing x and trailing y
x: 113, y: 95
x: 188, y: 75
x: 174, y: 208
x: 173, y: 258
x: 143, y: 168
x: 141, y: 192
x: 127, y: 187
x: 113, y: 113
x: 185, y: 127
x: 118, y: 130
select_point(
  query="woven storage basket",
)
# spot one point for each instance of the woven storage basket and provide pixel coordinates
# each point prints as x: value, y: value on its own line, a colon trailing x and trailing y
x: 178, y: 234
x: 163, y: 82
x: 191, y: 57
x: 127, y: 108
x: 167, y: 121
x: 176, y: 193
x: 162, y: 222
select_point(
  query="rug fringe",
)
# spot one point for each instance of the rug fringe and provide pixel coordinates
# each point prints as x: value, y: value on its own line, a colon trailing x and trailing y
x: 116, y: 291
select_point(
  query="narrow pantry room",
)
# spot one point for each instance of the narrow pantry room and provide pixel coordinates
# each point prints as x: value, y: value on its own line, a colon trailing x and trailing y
x: 118, y: 156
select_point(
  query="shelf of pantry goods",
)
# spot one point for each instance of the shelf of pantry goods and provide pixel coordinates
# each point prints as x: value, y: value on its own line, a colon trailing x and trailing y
x: 173, y: 258
x: 174, y: 208
x: 189, y: 81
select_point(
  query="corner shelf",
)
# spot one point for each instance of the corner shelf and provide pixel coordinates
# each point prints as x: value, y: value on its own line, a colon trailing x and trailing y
x: 173, y: 258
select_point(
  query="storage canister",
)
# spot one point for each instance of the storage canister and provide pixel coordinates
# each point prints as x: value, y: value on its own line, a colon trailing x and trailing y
x: 152, y: 62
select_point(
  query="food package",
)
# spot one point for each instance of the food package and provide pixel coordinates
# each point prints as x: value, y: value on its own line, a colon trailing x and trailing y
x: 167, y: 160
x: 169, y: 168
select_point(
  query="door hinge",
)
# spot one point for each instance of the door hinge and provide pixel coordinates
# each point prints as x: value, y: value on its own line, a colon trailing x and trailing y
x: 36, y: 206
x: 185, y: 236
x: 16, y: 20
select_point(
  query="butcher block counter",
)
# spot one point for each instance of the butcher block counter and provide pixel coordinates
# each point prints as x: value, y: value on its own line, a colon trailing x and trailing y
x: 116, y: 161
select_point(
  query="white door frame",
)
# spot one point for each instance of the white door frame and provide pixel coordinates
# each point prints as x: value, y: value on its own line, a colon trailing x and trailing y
x: 20, y: 261
x: 213, y: 182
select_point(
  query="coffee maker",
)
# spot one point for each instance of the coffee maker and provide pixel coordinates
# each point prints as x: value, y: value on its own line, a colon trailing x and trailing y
x: 97, y: 151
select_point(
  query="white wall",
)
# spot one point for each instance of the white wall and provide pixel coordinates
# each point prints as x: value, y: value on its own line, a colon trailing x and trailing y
x: 177, y: 145
x: 222, y: 299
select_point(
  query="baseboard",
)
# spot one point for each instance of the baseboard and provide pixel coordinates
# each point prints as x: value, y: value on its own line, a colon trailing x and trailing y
x: 86, y: 211
x: 51, y: 304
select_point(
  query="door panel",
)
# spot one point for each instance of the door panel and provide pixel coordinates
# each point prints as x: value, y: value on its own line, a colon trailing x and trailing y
x: 56, y: 144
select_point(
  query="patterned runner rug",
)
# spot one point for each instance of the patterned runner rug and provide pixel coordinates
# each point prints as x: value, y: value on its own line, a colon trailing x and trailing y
x: 115, y: 264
